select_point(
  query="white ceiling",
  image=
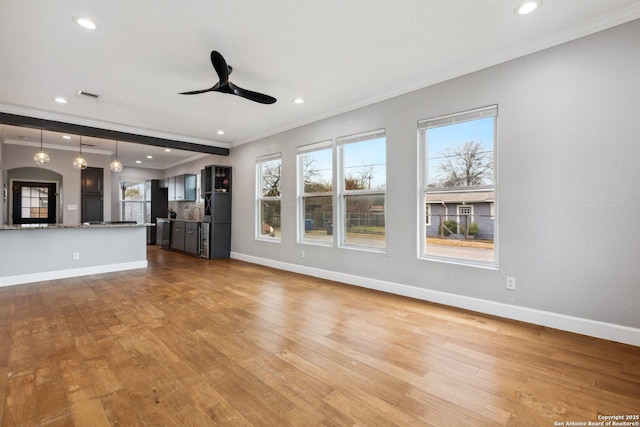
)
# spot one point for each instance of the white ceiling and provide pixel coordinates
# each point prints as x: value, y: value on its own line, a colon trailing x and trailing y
x: 336, y: 54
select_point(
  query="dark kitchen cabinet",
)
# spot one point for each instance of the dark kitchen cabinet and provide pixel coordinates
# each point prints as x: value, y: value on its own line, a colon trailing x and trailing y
x: 220, y: 241
x: 217, y: 182
x: 192, y: 238
x: 92, y: 208
x: 91, y: 194
x: 92, y: 180
x: 177, y: 235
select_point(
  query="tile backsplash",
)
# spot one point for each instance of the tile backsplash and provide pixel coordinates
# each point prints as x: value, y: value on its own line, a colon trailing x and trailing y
x: 188, y: 210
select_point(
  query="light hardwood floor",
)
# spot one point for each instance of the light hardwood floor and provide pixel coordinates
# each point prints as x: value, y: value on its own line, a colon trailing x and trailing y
x: 191, y: 342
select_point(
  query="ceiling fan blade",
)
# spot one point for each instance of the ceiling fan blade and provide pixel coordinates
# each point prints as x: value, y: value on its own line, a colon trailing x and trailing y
x: 220, y: 66
x: 250, y: 95
x: 196, y: 92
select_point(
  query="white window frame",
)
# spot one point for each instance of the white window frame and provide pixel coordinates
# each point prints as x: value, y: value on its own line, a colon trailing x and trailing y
x: 302, y: 195
x: 260, y: 198
x: 423, y: 126
x: 124, y: 202
x: 340, y: 231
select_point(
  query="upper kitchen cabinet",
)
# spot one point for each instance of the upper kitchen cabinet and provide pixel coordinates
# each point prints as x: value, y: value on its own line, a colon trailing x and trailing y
x: 91, y: 180
x: 181, y: 188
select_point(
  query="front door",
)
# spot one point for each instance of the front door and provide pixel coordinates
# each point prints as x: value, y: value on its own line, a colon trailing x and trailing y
x: 34, y: 202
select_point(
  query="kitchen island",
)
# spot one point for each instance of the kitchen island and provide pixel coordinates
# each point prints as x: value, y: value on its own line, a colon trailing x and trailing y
x: 46, y: 252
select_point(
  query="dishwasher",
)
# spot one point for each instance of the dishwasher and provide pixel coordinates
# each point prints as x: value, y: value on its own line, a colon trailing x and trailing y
x: 163, y: 233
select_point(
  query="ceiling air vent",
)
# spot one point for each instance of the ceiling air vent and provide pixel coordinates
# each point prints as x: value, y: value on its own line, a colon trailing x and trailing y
x: 87, y: 95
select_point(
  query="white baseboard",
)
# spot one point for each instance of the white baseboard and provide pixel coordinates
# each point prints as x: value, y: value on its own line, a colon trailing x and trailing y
x: 608, y: 331
x: 75, y: 272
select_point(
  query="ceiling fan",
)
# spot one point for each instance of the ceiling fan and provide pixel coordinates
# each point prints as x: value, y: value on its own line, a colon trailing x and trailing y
x: 225, y: 86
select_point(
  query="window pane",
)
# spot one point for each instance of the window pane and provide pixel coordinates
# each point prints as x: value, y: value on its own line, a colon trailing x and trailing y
x: 270, y: 174
x: 364, y: 165
x: 461, y: 155
x: 459, y: 190
x: 317, y: 171
x: 270, y: 218
x: 132, y: 190
x: 364, y: 221
x: 133, y: 211
x: 34, y: 202
x: 318, y: 218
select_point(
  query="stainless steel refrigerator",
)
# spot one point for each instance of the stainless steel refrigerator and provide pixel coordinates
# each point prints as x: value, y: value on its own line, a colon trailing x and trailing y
x: 156, y: 206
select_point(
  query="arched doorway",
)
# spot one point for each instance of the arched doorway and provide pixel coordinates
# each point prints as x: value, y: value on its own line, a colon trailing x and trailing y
x: 34, y: 196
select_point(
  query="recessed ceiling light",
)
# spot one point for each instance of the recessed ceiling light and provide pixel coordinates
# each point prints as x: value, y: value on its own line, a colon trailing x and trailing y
x: 298, y: 100
x: 149, y: 157
x: 60, y: 100
x: 85, y: 22
x: 66, y: 137
x: 138, y: 161
x: 528, y: 7
x: 168, y: 150
x: 220, y: 132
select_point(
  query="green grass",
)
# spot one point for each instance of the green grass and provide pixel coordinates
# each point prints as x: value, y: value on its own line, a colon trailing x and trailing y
x: 366, y: 230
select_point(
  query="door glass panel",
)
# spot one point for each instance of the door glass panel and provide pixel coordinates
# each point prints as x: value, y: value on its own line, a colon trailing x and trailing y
x: 35, y: 202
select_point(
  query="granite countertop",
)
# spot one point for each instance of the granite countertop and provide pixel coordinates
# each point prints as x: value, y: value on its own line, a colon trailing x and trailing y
x: 181, y: 219
x: 69, y: 226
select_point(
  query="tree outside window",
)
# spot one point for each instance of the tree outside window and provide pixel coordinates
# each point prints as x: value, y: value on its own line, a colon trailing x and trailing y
x: 269, y: 197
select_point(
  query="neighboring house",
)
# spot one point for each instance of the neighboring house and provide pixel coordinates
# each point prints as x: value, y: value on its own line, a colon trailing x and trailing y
x: 462, y: 205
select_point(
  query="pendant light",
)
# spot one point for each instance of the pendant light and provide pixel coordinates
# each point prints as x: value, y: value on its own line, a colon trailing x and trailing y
x: 116, y: 166
x: 41, y: 157
x: 80, y: 162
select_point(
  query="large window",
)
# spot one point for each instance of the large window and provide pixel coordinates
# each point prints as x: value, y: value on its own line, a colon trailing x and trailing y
x: 362, y: 189
x: 269, y: 173
x: 132, y: 200
x: 315, y: 183
x: 457, y: 166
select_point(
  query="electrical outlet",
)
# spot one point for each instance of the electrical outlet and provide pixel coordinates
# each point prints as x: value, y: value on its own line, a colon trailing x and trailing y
x: 75, y: 256
x: 302, y: 254
x: 511, y: 283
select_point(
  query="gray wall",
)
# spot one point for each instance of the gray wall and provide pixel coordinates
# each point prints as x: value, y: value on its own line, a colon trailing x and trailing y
x: 15, y: 156
x: 568, y: 155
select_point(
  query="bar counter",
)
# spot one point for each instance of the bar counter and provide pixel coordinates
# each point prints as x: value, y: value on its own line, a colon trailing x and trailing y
x: 56, y: 251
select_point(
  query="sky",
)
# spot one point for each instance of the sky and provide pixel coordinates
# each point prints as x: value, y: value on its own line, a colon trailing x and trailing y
x: 455, y: 135
x: 373, y: 151
x: 356, y: 156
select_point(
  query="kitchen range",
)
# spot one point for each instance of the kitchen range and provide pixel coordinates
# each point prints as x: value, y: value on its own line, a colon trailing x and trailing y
x: 210, y: 237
